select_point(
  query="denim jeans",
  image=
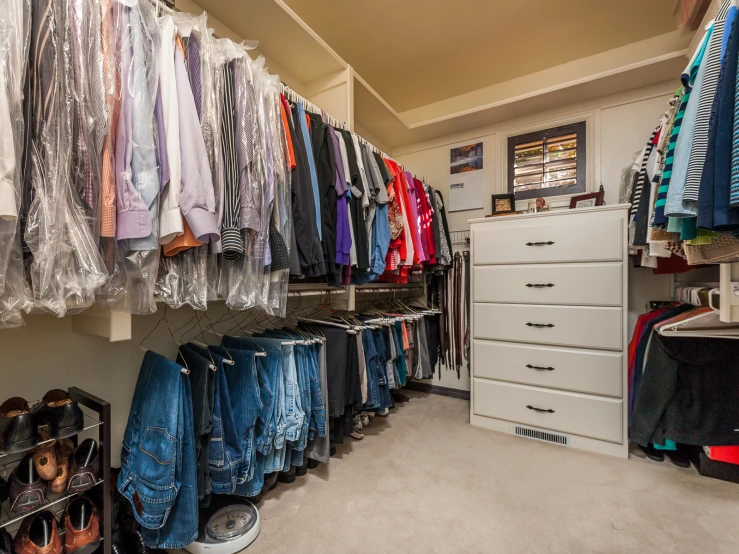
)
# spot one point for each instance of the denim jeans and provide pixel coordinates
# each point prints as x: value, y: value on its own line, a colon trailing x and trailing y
x: 294, y: 414
x: 278, y: 356
x: 246, y: 404
x: 319, y: 449
x: 372, y: 359
x: 270, y: 425
x: 158, y: 469
x: 225, y: 445
x: 318, y: 409
x: 203, y: 384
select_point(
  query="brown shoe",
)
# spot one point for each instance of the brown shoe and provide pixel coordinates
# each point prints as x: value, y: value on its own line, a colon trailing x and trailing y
x: 45, y: 460
x: 26, y: 489
x: 82, y: 525
x: 64, y: 449
x: 39, y: 534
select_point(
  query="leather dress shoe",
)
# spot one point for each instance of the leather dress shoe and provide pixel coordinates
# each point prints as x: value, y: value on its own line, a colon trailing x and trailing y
x: 44, y: 457
x: 82, y: 526
x: 64, y: 449
x: 60, y: 413
x: 26, y: 489
x: 84, y: 467
x: 18, y: 427
x: 39, y: 534
x: 6, y: 542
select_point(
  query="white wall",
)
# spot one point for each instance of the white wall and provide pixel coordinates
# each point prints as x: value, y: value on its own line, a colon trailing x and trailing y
x: 617, y: 128
x: 47, y: 354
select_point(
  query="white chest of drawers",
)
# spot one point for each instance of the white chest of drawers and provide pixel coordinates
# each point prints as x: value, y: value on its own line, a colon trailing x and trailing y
x: 549, y: 310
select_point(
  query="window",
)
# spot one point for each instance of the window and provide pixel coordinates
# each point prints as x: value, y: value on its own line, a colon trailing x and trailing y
x: 547, y: 163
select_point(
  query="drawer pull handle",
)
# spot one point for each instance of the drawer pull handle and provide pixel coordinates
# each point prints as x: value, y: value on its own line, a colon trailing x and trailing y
x: 540, y: 325
x: 541, y: 410
x: 547, y: 243
x: 539, y: 368
x: 540, y: 285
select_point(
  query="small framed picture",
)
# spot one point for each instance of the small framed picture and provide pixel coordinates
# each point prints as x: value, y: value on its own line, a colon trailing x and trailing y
x: 587, y: 200
x: 503, y: 203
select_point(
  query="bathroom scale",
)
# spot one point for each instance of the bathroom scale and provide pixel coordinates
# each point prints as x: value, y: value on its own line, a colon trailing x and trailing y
x: 228, y: 531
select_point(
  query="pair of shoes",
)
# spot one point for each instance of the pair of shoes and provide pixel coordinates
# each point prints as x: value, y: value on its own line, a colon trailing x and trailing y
x: 270, y: 481
x: 313, y: 464
x: 356, y: 432
x: 40, y: 532
x: 302, y: 469
x: 383, y: 413
x: 75, y: 472
x: 19, y: 424
x: 288, y: 476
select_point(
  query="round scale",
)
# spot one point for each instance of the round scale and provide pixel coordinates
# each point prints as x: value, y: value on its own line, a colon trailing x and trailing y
x: 228, y: 531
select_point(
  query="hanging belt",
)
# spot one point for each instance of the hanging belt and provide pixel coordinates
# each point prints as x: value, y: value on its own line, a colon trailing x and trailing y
x: 466, y: 256
x: 458, y: 347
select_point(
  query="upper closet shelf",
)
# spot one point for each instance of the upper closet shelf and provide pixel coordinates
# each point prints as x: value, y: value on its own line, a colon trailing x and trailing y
x: 293, y: 50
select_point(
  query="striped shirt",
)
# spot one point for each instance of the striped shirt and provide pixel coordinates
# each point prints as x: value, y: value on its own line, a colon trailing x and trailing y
x: 231, y: 239
x: 707, y: 93
x: 660, y: 219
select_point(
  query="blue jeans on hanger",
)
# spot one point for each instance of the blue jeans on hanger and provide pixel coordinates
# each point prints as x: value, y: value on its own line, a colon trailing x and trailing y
x: 294, y: 414
x: 270, y: 425
x: 371, y: 360
x: 297, y: 401
x: 246, y: 404
x: 225, y: 444
x: 158, y: 468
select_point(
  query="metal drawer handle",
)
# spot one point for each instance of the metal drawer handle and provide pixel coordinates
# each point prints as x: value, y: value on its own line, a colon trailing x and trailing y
x: 540, y: 285
x: 547, y: 243
x: 540, y: 325
x: 541, y: 410
x: 539, y: 368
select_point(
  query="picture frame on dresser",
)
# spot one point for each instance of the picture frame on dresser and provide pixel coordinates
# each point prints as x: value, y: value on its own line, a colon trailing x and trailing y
x: 587, y: 200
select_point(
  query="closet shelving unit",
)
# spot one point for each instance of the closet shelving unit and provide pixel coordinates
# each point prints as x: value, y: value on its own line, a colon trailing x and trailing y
x: 729, y: 288
x: 97, y: 416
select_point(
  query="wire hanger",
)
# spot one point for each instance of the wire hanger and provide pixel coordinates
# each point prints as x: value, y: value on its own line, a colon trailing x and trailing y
x: 185, y: 370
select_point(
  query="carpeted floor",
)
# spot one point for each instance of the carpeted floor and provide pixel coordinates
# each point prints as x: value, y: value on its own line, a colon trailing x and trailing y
x: 424, y: 481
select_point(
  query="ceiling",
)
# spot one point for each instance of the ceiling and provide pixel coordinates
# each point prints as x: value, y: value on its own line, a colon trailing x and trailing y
x: 415, y: 52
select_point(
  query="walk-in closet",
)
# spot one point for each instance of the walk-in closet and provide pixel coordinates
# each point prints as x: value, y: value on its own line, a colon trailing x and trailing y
x: 285, y: 276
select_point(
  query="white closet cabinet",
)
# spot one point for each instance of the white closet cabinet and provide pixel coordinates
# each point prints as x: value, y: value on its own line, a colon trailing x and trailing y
x: 549, y: 343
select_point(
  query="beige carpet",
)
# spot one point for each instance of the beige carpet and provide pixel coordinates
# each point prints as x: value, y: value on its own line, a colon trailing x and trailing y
x: 425, y: 481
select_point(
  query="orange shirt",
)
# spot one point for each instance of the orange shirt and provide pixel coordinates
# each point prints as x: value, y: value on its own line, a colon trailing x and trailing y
x: 182, y: 242
x: 290, y: 149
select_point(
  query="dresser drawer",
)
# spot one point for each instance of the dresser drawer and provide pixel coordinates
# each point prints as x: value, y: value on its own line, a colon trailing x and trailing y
x: 564, y: 325
x: 579, y: 414
x: 586, y: 284
x: 575, y: 239
x: 586, y: 371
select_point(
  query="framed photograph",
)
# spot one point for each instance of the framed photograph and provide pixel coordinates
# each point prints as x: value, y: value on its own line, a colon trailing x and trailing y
x: 503, y: 203
x: 587, y: 200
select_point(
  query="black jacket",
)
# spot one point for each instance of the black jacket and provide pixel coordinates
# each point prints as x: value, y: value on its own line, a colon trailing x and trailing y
x: 688, y: 393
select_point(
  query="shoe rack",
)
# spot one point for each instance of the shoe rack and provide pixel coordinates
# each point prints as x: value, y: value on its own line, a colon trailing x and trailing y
x: 97, y: 422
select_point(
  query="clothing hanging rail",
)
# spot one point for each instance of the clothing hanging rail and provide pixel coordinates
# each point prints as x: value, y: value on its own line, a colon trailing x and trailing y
x: 290, y: 94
